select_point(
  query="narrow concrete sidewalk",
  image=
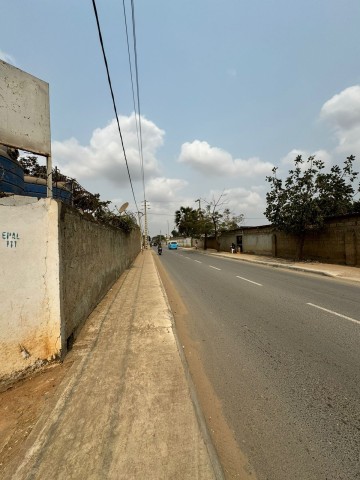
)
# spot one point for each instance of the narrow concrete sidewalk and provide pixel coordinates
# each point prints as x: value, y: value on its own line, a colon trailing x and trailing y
x: 125, y: 411
x: 344, y: 272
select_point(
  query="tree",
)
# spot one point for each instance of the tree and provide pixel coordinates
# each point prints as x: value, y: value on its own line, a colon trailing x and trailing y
x: 159, y: 239
x: 31, y: 167
x: 221, y: 219
x: 187, y: 221
x: 88, y: 203
x: 308, y: 195
x: 209, y: 221
x: 230, y: 221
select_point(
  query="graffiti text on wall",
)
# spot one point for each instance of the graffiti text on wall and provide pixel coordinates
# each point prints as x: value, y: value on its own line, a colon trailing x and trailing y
x: 10, y: 238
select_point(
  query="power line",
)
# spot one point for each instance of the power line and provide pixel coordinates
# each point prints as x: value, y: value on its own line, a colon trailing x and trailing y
x: 133, y: 92
x: 138, y: 93
x: 113, y: 98
x: 139, y: 115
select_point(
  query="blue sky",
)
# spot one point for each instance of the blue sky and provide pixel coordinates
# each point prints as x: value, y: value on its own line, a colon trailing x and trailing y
x: 227, y: 89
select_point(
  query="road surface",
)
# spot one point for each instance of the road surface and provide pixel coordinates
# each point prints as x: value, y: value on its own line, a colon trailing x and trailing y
x: 281, y: 351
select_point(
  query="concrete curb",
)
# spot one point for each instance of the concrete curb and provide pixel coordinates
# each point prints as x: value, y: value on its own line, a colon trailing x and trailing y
x: 214, y: 459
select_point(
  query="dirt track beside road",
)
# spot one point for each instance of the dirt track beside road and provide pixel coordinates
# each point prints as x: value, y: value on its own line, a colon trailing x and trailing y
x: 22, y: 404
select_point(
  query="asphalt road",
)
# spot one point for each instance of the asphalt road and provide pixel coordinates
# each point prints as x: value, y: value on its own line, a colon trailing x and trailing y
x: 282, y: 352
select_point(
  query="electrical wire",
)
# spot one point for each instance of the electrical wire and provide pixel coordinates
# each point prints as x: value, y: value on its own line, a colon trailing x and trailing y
x: 113, y: 99
x: 133, y: 92
x: 138, y: 94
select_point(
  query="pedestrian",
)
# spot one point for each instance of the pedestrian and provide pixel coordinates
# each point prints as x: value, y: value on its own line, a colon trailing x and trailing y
x: 196, y: 244
x: 233, y: 247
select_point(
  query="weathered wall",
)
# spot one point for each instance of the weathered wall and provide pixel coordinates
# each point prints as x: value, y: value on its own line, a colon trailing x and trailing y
x: 92, y: 257
x: 338, y: 242
x: 260, y: 242
x: 29, y: 276
x: 55, y: 267
x: 184, y: 242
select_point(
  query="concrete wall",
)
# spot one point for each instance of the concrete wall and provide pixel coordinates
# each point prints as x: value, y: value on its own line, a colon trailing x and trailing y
x: 183, y: 242
x: 55, y: 266
x: 29, y: 276
x: 92, y: 257
x: 338, y: 242
x: 262, y: 243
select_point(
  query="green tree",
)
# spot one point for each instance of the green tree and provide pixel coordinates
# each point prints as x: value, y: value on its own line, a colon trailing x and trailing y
x: 208, y: 221
x: 220, y: 217
x: 187, y: 222
x: 159, y: 239
x: 31, y: 166
x: 230, y: 221
x: 308, y: 195
x: 88, y: 203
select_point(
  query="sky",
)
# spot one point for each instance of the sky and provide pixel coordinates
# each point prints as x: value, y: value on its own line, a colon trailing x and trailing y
x: 228, y: 90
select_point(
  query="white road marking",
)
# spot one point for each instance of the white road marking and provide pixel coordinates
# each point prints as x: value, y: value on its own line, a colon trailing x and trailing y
x: 198, y: 261
x: 214, y: 267
x: 246, y: 280
x: 334, y: 313
x: 188, y: 258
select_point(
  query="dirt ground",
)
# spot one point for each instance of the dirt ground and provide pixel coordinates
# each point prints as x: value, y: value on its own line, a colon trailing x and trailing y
x: 22, y: 404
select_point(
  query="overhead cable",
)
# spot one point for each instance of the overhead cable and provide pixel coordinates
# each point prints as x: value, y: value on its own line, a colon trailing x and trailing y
x: 138, y: 91
x: 133, y: 95
x: 113, y: 99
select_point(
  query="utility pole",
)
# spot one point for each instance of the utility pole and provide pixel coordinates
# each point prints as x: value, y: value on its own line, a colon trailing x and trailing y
x: 146, y: 226
x: 198, y: 200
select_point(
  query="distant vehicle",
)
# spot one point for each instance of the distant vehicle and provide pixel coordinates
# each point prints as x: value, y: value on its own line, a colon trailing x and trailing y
x: 159, y: 249
x: 172, y: 245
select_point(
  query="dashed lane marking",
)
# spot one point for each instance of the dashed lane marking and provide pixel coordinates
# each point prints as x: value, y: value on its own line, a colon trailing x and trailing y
x: 215, y: 268
x: 334, y: 313
x: 250, y: 281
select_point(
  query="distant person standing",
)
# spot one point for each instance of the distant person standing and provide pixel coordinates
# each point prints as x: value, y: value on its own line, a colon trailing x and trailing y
x: 233, y: 247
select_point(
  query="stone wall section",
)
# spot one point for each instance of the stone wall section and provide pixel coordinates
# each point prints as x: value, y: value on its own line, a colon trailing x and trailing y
x: 92, y: 257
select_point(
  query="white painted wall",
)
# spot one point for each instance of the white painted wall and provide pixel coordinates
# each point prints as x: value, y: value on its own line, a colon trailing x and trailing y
x: 29, y: 283
x: 182, y: 242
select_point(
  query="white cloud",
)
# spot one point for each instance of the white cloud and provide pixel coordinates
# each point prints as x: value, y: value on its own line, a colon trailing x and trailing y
x: 247, y: 201
x: 104, y: 157
x: 289, y: 158
x: 343, y: 112
x: 163, y: 189
x: 214, y: 161
x: 6, y: 57
x: 343, y: 109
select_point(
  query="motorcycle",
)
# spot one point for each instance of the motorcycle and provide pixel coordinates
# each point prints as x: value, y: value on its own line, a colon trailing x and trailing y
x: 159, y: 250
